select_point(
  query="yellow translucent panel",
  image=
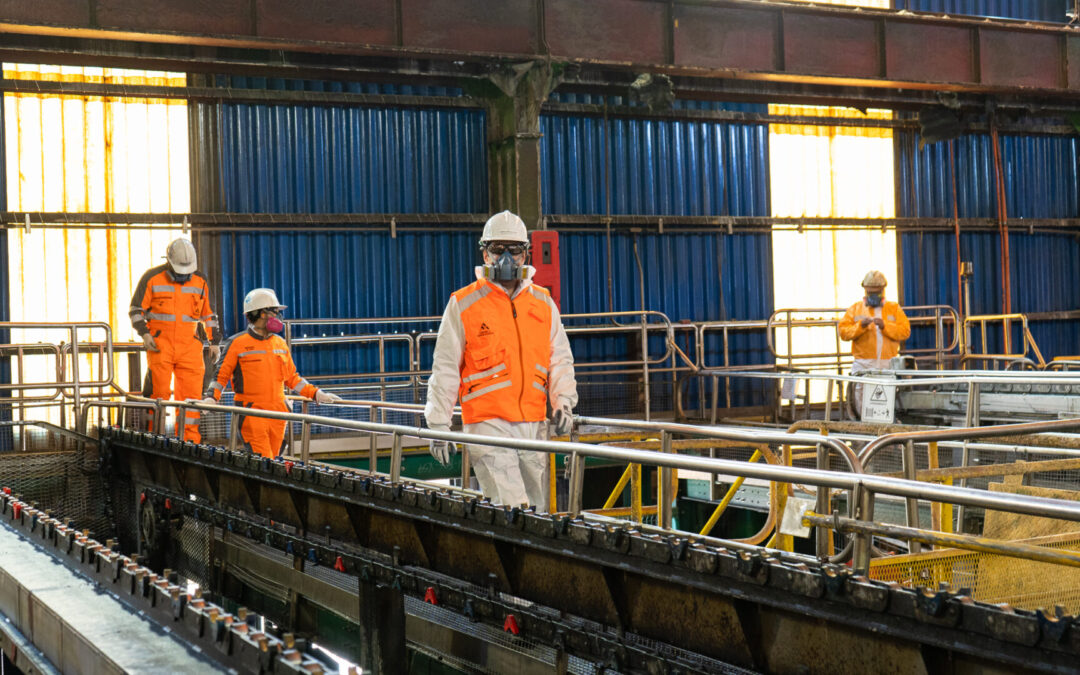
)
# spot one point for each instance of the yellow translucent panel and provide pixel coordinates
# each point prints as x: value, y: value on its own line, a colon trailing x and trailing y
x: 879, y: 4
x: 829, y: 171
x: 89, y: 154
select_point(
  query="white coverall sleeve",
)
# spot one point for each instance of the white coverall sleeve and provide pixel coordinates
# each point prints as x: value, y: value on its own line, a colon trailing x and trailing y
x: 445, y: 377
x: 562, y: 387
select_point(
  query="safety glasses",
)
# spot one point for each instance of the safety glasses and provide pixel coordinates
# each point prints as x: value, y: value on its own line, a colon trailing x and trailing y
x: 499, y: 249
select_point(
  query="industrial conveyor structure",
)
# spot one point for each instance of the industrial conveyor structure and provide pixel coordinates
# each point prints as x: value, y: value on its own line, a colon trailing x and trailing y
x: 823, y: 546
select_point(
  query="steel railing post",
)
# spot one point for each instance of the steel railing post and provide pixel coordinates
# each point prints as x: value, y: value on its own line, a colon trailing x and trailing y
x: 822, y: 546
x: 305, y: 435
x: 911, y: 503
x: 863, y: 541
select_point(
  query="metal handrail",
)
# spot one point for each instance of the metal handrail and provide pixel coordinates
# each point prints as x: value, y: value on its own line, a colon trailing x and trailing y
x: 867, y: 485
x: 75, y: 383
x: 963, y: 433
x: 649, y: 323
x: 942, y: 313
x: 913, y: 378
x: 1026, y: 338
x: 731, y: 434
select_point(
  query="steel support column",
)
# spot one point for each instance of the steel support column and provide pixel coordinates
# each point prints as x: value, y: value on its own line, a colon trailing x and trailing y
x: 513, y: 136
x: 382, y: 628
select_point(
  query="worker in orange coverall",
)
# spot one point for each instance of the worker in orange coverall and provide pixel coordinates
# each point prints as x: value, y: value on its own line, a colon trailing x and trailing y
x: 875, y: 327
x: 169, y: 304
x: 260, y: 366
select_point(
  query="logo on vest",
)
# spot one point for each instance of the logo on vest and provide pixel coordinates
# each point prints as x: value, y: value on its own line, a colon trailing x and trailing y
x: 484, y: 330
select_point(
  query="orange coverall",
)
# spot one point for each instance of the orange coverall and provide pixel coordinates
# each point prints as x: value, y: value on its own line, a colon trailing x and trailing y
x: 260, y: 368
x: 172, y: 312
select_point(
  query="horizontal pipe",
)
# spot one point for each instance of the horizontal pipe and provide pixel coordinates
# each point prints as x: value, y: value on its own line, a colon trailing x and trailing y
x: 1023, y: 504
x: 966, y: 542
x: 344, y: 222
x: 962, y: 433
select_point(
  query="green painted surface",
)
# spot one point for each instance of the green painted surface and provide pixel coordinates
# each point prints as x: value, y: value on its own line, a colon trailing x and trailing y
x: 420, y: 465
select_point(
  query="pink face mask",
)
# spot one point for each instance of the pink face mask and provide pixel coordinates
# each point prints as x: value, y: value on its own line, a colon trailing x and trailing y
x: 274, y: 325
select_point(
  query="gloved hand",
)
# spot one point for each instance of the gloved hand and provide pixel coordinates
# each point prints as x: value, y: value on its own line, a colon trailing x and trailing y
x: 865, y: 321
x: 148, y: 342
x: 562, y: 418
x: 210, y: 400
x: 324, y: 397
x: 880, y: 323
x: 215, y: 352
x: 442, y: 450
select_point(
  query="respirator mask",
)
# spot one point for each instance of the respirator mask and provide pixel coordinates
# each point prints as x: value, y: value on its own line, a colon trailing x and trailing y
x: 179, y: 278
x: 505, y: 267
x: 273, y: 323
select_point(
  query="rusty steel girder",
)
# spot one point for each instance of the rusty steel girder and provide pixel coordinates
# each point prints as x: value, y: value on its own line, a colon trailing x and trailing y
x: 731, y: 39
x: 744, y: 606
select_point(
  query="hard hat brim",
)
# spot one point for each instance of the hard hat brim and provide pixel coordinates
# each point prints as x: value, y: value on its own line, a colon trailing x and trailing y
x: 188, y: 268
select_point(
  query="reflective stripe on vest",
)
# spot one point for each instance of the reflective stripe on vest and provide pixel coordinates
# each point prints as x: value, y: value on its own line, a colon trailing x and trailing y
x: 486, y: 390
x: 507, y: 353
x: 485, y: 373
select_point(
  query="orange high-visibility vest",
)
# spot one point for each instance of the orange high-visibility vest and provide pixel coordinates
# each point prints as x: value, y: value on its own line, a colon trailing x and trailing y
x: 260, y: 368
x: 866, y: 341
x: 173, y: 311
x: 504, y: 372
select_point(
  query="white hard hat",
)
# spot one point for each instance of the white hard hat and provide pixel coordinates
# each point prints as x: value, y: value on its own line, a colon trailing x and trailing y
x: 875, y: 279
x: 504, y: 226
x: 261, y: 298
x: 181, y: 256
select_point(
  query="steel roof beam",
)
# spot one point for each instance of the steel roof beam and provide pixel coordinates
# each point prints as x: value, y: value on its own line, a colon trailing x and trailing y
x: 729, y: 39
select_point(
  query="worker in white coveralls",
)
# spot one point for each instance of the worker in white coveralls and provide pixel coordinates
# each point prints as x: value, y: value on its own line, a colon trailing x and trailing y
x: 503, y: 353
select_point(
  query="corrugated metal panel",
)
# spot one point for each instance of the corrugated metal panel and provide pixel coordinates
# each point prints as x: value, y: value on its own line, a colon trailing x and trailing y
x: 1032, y: 10
x: 308, y: 159
x: 1041, y: 177
x: 697, y: 277
x: 663, y: 168
x: 288, y: 84
x: 352, y: 275
x: 1042, y: 181
x: 657, y: 167
x: 86, y: 154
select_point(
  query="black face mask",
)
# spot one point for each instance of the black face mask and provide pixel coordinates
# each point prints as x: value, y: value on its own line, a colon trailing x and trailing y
x: 179, y: 278
x: 874, y: 299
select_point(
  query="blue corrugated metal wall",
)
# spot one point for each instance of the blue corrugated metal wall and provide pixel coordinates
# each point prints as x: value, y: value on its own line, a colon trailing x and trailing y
x: 361, y: 160
x: 668, y: 168
x: 1032, y: 10
x: 1042, y: 181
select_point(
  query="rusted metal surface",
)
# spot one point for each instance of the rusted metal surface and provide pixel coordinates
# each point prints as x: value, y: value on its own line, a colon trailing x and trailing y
x: 1035, y: 440
x: 1013, y: 549
x: 989, y: 470
x: 734, y: 39
x: 90, y: 609
x: 612, y: 575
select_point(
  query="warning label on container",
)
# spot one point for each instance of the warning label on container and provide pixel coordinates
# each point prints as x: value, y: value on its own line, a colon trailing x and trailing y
x: 878, y: 403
